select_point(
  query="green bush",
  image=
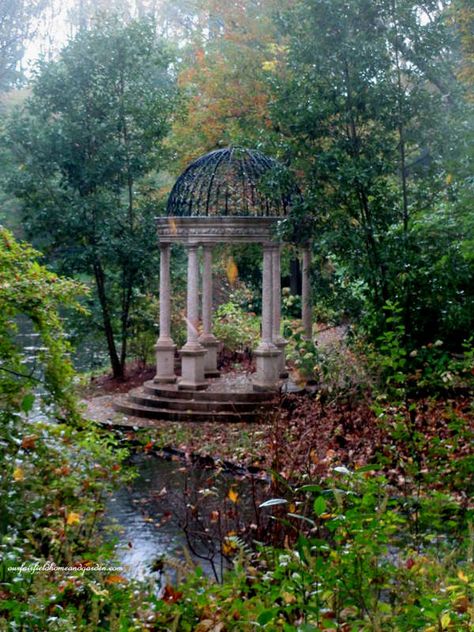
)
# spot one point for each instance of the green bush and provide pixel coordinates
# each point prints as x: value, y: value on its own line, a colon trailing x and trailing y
x: 237, y: 329
x: 349, y: 565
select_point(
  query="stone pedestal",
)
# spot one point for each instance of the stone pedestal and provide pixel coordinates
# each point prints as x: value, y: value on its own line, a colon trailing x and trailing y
x: 165, y: 362
x: 280, y: 344
x: 268, y: 369
x: 207, y: 339
x: 165, y: 347
x: 211, y: 345
x: 192, y: 369
x: 193, y: 353
x: 267, y: 354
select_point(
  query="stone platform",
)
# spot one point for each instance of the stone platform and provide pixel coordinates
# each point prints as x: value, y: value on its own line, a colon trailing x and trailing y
x: 227, y: 399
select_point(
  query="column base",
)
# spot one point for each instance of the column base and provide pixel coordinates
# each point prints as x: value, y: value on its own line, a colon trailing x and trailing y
x: 211, y: 345
x: 165, y: 350
x: 280, y: 343
x: 267, y: 374
x: 192, y: 367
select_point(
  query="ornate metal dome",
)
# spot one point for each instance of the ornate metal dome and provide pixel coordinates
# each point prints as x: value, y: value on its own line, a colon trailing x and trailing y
x: 232, y: 181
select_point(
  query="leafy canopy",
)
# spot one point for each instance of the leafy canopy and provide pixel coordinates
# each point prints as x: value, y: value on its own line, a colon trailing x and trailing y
x: 92, y: 129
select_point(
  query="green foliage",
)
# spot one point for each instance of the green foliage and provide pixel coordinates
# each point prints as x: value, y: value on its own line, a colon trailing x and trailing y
x: 301, y: 351
x: 290, y: 304
x: 16, y: 27
x: 29, y: 290
x: 55, y: 482
x: 57, y: 470
x: 403, y: 370
x: 353, y: 568
x: 92, y: 129
x: 237, y: 329
x: 367, y: 109
x: 143, y: 328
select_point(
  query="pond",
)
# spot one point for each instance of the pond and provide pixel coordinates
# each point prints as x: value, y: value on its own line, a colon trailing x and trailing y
x: 180, y: 511
x: 172, y: 509
x: 89, y: 351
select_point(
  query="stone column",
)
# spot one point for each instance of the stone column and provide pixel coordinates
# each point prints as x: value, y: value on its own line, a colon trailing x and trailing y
x: 165, y: 347
x: 192, y: 354
x: 267, y: 354
x: 306, y: 303
x: 278, y: 340
x: 207, y: 339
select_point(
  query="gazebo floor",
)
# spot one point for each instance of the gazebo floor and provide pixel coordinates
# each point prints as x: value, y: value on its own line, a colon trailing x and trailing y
x: 229, y: 399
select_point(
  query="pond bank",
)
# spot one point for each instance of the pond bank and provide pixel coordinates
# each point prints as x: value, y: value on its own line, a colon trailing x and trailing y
x: 239, y: 446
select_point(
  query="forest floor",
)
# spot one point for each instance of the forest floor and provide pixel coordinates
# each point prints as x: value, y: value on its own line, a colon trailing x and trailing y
x: 310, y: 434
x: 244, y: 444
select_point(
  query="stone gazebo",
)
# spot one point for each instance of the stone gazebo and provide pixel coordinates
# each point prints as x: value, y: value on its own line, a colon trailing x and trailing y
x: 218, y: 199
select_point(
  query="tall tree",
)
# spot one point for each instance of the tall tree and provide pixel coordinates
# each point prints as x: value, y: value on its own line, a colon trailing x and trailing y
x: 365, y: 106
x: 91, y: 130
x: 16, y: 26
x: 223, y: 74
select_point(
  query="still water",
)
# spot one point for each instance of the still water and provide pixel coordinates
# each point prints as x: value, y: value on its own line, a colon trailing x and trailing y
x: 179, y: 511
x: 171, y: 509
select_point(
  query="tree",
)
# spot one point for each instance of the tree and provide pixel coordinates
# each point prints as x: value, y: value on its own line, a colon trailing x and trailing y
x: 16, y: 17
x: 29, y: 291
x: 223, y: 76
x: 92, y: 129
x: 367, y: 107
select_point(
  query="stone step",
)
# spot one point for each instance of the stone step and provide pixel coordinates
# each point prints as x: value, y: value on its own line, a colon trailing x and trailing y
x: 172, y: 392
x: 138, y: 396
x: 165, y: 414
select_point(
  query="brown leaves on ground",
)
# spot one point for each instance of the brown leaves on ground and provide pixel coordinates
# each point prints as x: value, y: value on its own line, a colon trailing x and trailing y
x: 311, y: 437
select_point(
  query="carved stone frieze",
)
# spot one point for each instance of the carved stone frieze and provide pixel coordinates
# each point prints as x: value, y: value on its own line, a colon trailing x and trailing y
x: 201, y: 230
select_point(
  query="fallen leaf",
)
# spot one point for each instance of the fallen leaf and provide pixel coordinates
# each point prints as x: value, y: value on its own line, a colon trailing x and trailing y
x: 232, y: 271
x: 29, y: 442
x: 233, y: 496
x: 170, y: 595
x: 288, y: 598
x: 115, y: 579
x: 73, y: 518
x: 18, y: 474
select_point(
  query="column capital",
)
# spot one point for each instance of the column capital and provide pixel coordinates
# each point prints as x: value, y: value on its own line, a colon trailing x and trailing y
x: 271, y: 245
x: 192, y: 245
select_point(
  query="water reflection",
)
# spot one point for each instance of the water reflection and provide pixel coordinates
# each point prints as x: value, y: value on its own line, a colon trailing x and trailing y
x: 169, y: 507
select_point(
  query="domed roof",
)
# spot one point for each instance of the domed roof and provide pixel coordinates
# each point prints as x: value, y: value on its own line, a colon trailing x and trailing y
x: 232, y: 181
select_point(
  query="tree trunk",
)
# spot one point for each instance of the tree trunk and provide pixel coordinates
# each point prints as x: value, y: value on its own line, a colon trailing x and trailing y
x: 117, y: 366
x: 126, y: 303
x: 295, y: 277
